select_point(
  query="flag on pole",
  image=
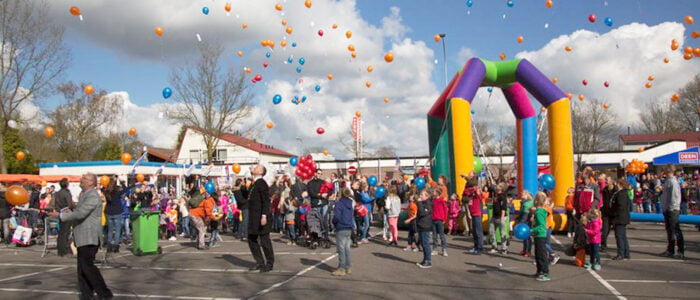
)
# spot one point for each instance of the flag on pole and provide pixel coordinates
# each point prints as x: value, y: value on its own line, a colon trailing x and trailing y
x: 397, y: 165
x: 190, y: 169
x: 160, y: 169
x: 138, y: 161
x: 209, y: 169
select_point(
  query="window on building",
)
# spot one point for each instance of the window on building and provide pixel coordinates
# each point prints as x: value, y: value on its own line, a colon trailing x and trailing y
x: 221, y: 155
x: 195, y: 155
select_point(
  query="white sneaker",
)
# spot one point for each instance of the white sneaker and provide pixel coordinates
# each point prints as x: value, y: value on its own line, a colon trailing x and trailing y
x: 182, y: 234
x: 433, y: 253
x: 408, y: 248
x: 172, y: 238
x: 444, y: 253
x: 415, y: 249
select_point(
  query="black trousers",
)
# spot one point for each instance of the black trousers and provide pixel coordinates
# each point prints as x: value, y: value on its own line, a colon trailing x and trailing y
x: 90, y: 279
x: 673, y: 231
x: 605, y: 231
x: 541, y: 255
x: 623, y: 245
x: 63, y: 244
x: 257, y: 241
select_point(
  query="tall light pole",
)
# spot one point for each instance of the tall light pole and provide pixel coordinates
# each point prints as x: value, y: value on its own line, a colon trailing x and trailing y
x: 444, y: 55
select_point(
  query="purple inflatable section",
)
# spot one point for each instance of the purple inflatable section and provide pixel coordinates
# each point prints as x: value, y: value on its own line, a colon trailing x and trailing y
x: 538, y: 84
x: 519, y: 101
x: 472, y: 76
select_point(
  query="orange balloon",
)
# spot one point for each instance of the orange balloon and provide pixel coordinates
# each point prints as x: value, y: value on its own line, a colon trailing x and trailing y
x: 74, y: 10
x: 370, y: 69
x: 520, y: 39
x: 687, y: 56
x: 695, y: 34
x: 555, y: 80
x: 104, y: 180
x: 606, y: 106
x: 307, y: 3
x: 389, y: 57
x: 358, y: 113
x: 325, y: 152
x: 159, y: 31
x: 581, y: 97
x: 351, y: 47
x: 640, y: 149
x: 278, y: 7
x: 140, y: 177
x: 651, y: 78
x: 675, y: 97
x: 227, y: 7
x: 353, y: 54
x: 236, y: 168
x: 569, y: 95
x: 16, y: 195
x: 88, y: 89
x: 289, y: 30
x: 502, y: 56
x: 674, y: 45
x: 271, y: 43
x: 248, y: 70
x: 43, y: 183
x: 689, y: 20
x: 368, y: 84
x: 436, y: 38
x: 329, y: 76
x: 335, y: 26
x: 386, y: 99
x: 48, y: 131
x: 283, y: 43
x: 648, y: 85
x: 568, y: 48
x: 244, y: 25
x: 348, y: 34
x: 548, y: 4
x: 126, y: 158
x: 696, y: 52
x: 132, y: 131
x: 239, y: 53
x: 688, y: 49
x: 270, y: 125
x: 284, y: 22
x: 20, y: 155
x: 666, y: 60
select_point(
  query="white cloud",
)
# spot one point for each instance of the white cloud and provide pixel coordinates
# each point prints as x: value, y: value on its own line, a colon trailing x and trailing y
x: 463, y: 55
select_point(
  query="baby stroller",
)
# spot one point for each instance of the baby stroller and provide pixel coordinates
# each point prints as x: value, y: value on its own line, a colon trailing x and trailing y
x: 315, y: 227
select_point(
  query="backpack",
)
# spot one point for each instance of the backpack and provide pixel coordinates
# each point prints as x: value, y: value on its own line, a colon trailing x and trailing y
x: 360, y: 210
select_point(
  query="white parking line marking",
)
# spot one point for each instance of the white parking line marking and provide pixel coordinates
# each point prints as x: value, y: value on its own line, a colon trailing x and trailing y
x: 116, y: 295
x: 654, y: 281
x: 248, y: 253
x: 31, y: 274
x: 302, y: 272
x: 226, y: 270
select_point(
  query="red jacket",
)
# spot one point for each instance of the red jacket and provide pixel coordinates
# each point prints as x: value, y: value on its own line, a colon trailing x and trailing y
x: 439, y: 209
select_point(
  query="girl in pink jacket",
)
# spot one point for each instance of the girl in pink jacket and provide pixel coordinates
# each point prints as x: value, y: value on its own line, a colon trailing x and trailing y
x: 593, y: 229
x: 452, y: 214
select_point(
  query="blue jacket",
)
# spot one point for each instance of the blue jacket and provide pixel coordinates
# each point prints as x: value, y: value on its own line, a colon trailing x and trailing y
x: 343, y: 214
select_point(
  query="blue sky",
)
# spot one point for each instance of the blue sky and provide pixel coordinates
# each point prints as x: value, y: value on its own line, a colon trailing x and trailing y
x: 103, y: 55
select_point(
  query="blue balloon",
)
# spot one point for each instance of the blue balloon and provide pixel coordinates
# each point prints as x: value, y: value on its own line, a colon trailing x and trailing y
x: 372, y: 180
x: 470, y: 3
x: 268, y: 54
x: 510, y: 3
x: 290, y: 60
x: 277, y: 99
x: 609, y: 21
x: 547, y: 181
x: 380, y: 192
x: 205, y: 10
x: 489, y: 89
x: 167, y: 92
x: 210, y: 188
x: 302, y: 61
x: 298, y: 69
x: 293, y: 161
x: 294, y: 44
x: 521, y: 231
x: 420, y: 183
x: 473, y: 111
x: 317, y: 88
x: 303, y: 99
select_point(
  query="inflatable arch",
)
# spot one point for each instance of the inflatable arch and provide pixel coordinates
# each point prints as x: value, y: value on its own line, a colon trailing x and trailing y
x: 450, y: 124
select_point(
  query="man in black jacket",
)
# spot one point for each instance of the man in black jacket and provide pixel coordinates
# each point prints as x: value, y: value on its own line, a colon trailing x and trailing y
x: 425, y: 226
x: 318, y: 202
x: 259, y: 221
x: 607, y: 212
x: 620, y: 218
x: 64, y: 199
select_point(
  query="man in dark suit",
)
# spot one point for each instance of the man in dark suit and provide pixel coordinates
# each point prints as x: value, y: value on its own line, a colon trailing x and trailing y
x: 63, y: 199
x: 259, y: 220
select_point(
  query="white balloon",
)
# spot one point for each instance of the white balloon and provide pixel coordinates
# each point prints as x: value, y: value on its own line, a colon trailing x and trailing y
x: 546, y: 25
x: 436, y: 61
x: 12, y: 124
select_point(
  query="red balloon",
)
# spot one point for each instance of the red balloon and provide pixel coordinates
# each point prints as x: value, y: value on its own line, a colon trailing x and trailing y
x: 592, y: 18
x: 606, y: 84
x: 320, y: 32
x: 265, y: 64
x: 320, y: 130
x: 584, y: 82
x: 257, y: 77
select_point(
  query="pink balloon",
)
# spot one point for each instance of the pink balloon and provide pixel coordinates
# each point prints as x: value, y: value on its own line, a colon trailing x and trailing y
x: 265, y: 64
x: 584, y: 82
x: 320, y: 32
x: 606, y: 84
x: 320, y: 130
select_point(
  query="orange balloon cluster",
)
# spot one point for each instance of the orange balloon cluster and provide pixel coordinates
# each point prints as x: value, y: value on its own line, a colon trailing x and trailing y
x: 637, y: 167
x: 267, y: 43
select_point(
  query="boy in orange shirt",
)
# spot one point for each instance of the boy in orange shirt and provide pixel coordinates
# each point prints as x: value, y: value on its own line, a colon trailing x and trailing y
x: 570, y: 212
x: 553, y: 257
x: 411, y: 221
x: 199, y: 214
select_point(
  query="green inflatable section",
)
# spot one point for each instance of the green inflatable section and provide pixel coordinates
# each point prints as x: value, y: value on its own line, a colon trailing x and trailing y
x: 500, y: 73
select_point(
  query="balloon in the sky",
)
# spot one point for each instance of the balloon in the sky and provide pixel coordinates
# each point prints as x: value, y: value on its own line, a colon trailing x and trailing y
x: 348, y: 34
x: 320, y: 130
x: 307, y: 3
x: 437, y: 38
x: 368, y: 84
x: 239, y: 53
x: 302, y: 61
x: 227, y: 7
x: 294, y: 44
x: 606, y: 84
x: 470, y: 3
x: 592, y: 18
x: 290, y: 59
x: 298, y: 69
x: 48, y: 131
x: 132, y: 131
x: 277, y: 99
x: 389, y: 57
x: 167, y: 92
x: 278, y: 7
x: 329, y: 76
x: 510, y: 3
x: 370, y: 69
x: 609, y: 21
x: 303, y: 99
x: 293, y: 161
x: 270, y: 125
x: 74, y: 10
x: 268, y: 54
x: 320, y: 33
x: 289, y: 30
x: 520, y: 39
x: 548, y: 3
x: 265, y: 64
x: 502, y: 56
x: 159, y: 31
x: 317, y: 88
x: 689, y: 20
x: 88, y: 89
x: 205, y: 10
x: 584, y: 82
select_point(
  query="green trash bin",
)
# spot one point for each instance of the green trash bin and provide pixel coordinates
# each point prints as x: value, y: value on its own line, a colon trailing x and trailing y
x: 498, y: 230
x: 145, y: 225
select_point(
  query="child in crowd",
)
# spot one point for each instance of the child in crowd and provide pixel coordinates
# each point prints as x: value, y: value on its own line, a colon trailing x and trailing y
x: 214, y: 223
x: 638, y: 199
x: 425, y: 226
x: 303, y: 212
x: 185, y: 217
x: 539, y: 232
x: 439, y: 218
x: 411, y: 222
x: 647, y: 197
x: 453, y: 209
x: 593, y: 227
x: 343, y: 222
x: 290, y: 209
x: 569, y: 206
x: 526, y: 204
x: 549, y: 206
x: 172, y: 221
x: 499, y: 220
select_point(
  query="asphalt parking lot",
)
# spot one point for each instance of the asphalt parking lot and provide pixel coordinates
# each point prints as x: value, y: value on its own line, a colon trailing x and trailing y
x: 379, y: 272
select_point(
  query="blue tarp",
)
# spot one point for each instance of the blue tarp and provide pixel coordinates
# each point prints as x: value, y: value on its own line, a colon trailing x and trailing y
x: 690, y: 156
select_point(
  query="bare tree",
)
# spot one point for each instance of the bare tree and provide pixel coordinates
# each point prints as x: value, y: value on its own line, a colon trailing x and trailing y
x: 687, y: 109
x: 385, y: 152
x: 81, y: 122
x: 482, y: 137
x: 32, y: 57
x: 594, y: 128
x: 659, y: 117
x: 208, y: 98
x: 348, y: 143
x: 504, y: 143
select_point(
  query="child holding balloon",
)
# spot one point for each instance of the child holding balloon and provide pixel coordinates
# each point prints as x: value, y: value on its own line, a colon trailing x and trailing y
x: 525, y: 217
x: 539, y: 232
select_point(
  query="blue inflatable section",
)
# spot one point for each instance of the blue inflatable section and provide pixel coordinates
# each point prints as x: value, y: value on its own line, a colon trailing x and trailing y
x: 659, y: 218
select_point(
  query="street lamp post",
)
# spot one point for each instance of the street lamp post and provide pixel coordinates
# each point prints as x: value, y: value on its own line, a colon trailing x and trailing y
x: 444, y: 55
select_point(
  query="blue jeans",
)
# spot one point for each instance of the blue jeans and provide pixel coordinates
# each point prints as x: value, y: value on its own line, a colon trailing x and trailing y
x: 595, y: 253
x: 243, y: 227
x: 325, y: 222
x: 478, y: 233
x: 126, y: 235
x: 290, y: 232
x: 343, y: 241
x: 114, y: 227
x: 548, y: 244
x: 364, y: 227
x: 439, y: 229
x: 647, y: 207
x: 425, y: 242
x: 657, y: 207
x: 186, y: 226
